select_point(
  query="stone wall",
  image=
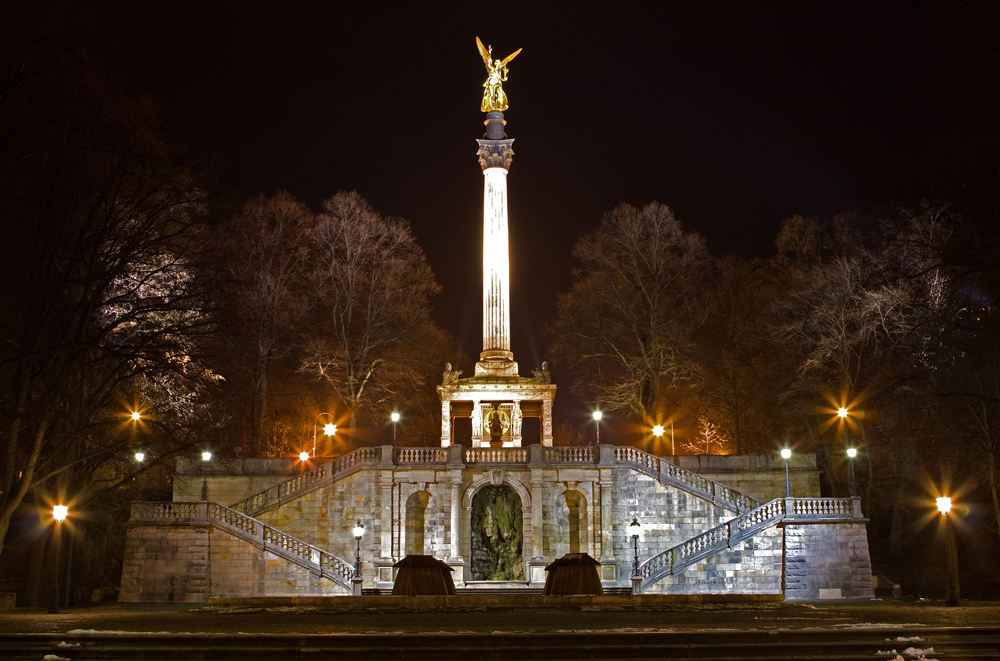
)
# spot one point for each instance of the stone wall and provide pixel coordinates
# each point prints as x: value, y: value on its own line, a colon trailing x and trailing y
x: 827, y: 561
x: 230, y: 480
x: 166, y: 563
x: 668, y: 516
x: 187, y: 563
x: 759, y: 476
x: 754, y: 566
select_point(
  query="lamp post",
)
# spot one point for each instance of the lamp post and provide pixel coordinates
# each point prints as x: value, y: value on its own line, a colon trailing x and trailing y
x: 206, y: 457
x: 395, y: 418
x: 953, y: 591
x: 786, y: 454
x: 359, y: 531
x: 59, y: 513
x: 597, y: 424
x: 329, y: 429
x: 635, y: 529
x: 851, y: 485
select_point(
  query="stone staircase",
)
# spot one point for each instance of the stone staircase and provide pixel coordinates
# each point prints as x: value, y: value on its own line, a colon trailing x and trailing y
x: 742, y: 527
x: 318, y: 561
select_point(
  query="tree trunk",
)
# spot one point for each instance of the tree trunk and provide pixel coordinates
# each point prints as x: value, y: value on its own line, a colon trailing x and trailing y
x: 257, y: 407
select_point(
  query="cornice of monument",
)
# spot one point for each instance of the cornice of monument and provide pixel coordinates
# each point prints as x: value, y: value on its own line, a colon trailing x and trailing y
x: 495, y: 153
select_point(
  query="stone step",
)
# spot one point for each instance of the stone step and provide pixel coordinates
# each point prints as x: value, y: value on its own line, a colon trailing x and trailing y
x: 948, y: 643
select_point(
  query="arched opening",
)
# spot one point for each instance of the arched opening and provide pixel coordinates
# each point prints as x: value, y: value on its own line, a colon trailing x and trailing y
x: 496, y: 527
x: 416, y: 505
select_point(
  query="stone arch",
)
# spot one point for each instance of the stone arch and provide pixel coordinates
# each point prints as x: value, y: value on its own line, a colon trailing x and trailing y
x: 486, y: 478
x: 416, y: 508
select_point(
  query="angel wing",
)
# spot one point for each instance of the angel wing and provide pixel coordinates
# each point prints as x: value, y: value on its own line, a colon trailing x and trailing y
x: 482, y: 51
x: 509, y: 58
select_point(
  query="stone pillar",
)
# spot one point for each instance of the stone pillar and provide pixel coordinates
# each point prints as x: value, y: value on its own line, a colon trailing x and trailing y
x: 607, y: 517
x: 456, y: 517
x: 446, y: 438
x: 386, y: 494
x: 477, y: 423
x: 547, y: 420
x: 495, y: 156
x: 537, y: 477
x: 515, y: 423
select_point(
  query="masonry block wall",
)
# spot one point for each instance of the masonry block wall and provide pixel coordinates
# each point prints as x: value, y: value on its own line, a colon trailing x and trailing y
x: 166, y: 563
x: 668, y: 516
x: 187, y: 563
x: 753, y: 566
x: 827, y: 561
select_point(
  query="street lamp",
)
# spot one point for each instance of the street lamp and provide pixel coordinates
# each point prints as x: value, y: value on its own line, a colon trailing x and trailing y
x: 786, y: 454
x: 658, y: 432
x: 359, y: 531
x: 635, y: 529
x: 851, y: 485
x: 329, y: 429
x: 59, y: 513
x: 395, y: 419
x: 206, y: 457
x: 842, y: 412
x: 953, y: 591
x: 136, y: 416
x: 140, y: 456
x: 597, y: 424
x: 303, y: 456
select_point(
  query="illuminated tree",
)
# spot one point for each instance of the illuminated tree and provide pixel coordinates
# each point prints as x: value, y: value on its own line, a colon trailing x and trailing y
x: 370, y: 293
x: 625, y: 327
x: 266, y: 256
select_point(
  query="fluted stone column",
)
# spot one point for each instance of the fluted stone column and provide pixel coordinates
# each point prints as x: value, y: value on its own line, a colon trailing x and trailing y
x: 495, y: 155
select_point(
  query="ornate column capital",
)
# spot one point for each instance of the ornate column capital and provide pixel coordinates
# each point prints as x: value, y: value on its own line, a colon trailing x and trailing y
x: 495, y: 153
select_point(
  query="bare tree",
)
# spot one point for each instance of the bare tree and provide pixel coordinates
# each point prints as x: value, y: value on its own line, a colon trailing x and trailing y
x: 266, y: 258
x: 625, y: 327
x: 100, y: 309
x: 370, y: 294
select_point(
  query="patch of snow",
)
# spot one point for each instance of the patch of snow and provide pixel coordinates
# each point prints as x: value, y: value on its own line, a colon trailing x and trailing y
x: 53, y: 657
x: 118, y: 632
x: 902, y: 639
x: 63, y: 643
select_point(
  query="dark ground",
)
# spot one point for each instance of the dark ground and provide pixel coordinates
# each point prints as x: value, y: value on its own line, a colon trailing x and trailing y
x: 729, y: 617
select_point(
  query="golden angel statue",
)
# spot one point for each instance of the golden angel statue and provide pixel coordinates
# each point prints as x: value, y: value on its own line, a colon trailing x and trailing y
x: 493, y: 97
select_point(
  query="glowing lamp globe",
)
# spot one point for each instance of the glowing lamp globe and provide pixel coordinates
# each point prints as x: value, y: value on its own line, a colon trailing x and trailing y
x: 303, y: 456
x: 330, y: 429
x: 359, y: 530
x: 395, y: 416
x: 852, y: 452
x: 59, y: 513
x: 635, y: 528
x: 206, y: 456
x: 136, y: 415
x: 658, y: 430
x: 943, y: 504
x: 597, y: 415
x: 140, y: 456
x: 786, y: 453
x: 842, y: 412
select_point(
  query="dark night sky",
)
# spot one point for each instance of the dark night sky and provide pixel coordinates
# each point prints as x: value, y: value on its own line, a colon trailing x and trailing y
x: 736, y: 115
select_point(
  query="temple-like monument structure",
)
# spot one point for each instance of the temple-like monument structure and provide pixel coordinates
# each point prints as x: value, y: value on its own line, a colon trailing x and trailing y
x: 496, y: 513
x: 496, y: 399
